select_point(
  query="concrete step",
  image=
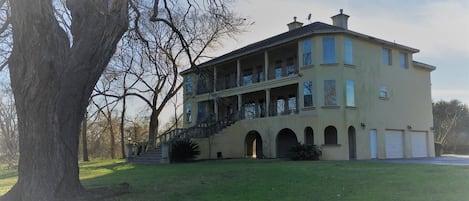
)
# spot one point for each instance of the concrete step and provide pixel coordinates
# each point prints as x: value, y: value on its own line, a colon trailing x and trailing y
x: 152, y: 156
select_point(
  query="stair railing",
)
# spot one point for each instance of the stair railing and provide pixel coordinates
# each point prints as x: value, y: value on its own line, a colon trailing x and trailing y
x: 201, y: 130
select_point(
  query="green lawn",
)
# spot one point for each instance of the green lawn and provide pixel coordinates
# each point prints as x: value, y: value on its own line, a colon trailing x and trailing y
x: 276, y: 180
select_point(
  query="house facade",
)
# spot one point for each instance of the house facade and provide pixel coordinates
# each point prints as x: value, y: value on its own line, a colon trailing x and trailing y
x: 353, y: 95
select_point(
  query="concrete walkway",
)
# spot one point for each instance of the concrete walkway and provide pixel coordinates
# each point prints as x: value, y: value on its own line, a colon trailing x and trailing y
x: 442, y: 160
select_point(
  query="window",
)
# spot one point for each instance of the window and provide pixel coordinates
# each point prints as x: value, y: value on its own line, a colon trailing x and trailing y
x: 383, y: 91
x: 280, y: 106
x: 350, y: 93
x: 260, y: 74
x: 308, y: 93
x: 228, y: 81
x: 309, y: 136
x: 328, y: 50
x: 292, y: 104
x: 386, y: 53
x: 330, y: 135
x: 330, y: 95
x: 249, y: 110
x: 202, y: 113
x: 247, y: 78
x: 188, y: 84
x: 290, y: 67
x: 278, y: 69
x: 403, y: 60
x: 348, y: 51
x: 306, y: 49
x: 188, y: 112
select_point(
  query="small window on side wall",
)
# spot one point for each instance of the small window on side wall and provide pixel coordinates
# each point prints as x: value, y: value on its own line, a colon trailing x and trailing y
x: 386, y: 56
x: 383, y: 92
x: 403, y: 61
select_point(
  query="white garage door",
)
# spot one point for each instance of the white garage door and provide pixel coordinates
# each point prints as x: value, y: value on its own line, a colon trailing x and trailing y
x: 394, y: 144
x: 419, y: 144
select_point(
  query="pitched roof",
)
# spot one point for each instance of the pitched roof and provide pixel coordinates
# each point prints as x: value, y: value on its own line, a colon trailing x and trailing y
x: 313, y: 28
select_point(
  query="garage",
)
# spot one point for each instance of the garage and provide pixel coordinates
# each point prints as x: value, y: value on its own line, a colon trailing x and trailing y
x: 419, y: 144
x: 394, y: 143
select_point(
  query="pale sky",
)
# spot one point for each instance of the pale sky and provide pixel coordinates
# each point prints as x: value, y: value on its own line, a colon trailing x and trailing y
x: 439, y: 29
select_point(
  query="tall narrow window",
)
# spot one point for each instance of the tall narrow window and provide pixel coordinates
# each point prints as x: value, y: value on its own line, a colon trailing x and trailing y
x: 307, y: 52
x: 348, y: 51
x: 308, y: 93
x: 386, y: 56
x: 330, y: 95
x: 290, y: 67
x: 188, y: 83
x: 202, y: 112
x: 403, y: 60
x: 188, y: 112
x: 249, y: 110
x: 328, y: 50
x: 247, y: 77
x: 260, y: 74
x: 278, y: 69
x: 350, y: 93
x: 280, y: 106
x: 292, y: 104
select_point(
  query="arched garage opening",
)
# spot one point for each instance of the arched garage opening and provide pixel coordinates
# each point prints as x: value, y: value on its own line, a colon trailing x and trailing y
x: 253, y: 144
x: 286, y: 139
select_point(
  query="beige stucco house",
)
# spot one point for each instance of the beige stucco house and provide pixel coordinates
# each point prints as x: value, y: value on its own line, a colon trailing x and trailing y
x: 354, y: 95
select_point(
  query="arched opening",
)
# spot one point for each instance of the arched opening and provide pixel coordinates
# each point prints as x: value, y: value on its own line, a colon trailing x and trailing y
x: 352, y: 143
x: 330, y: 135
x: 286, y: 139
x: 253, y: 143
x: 309, y: 136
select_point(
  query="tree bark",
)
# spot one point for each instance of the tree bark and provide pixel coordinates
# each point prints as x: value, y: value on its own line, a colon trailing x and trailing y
x: 154, y: 124
x: 52, y: 81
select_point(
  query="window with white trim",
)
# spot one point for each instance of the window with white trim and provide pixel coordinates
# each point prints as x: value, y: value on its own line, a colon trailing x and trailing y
x: 403, y: 62
x: 307, y: 52
x: 330, y: 93
x: 188, y: 112
x: 188, y: 82
x: 386, y: 56
x: 328, y: 50
x: 348, y: 51
x: 308, y: 93
x: 350, y: 93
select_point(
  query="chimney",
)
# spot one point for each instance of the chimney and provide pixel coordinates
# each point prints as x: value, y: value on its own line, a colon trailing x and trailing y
x: 294, y: 24
x: 340, y: 20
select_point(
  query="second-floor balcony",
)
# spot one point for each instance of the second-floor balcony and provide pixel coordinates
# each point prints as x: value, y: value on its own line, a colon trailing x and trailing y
x: 277, y: 63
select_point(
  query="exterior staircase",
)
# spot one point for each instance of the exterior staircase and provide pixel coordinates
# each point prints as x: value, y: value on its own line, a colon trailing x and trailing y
x: 201, y: 130
x: 152, y: 156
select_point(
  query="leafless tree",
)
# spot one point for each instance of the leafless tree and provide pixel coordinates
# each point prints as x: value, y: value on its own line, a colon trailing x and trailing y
x: 52, y: 77
x: 178, y: 37
x: 8, y: 127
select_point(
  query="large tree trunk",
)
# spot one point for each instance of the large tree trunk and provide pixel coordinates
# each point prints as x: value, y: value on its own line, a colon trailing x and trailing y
x: 52, y: 81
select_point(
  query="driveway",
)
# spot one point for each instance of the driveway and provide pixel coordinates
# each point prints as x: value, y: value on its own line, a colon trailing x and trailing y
x: 442, y: 160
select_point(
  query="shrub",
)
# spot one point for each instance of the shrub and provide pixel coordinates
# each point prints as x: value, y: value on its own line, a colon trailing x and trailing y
x: 184, y: 151
x: 305, y: 152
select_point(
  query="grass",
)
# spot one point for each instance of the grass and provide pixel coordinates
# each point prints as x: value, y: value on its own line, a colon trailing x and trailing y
x: 275, y: 180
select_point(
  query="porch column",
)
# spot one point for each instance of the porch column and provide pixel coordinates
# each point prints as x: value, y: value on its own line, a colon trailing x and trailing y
x: 240, y: 105
x: 267, y: 102
x: 215, y: 108
x: 266, y: 65
x: 238, y: 72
